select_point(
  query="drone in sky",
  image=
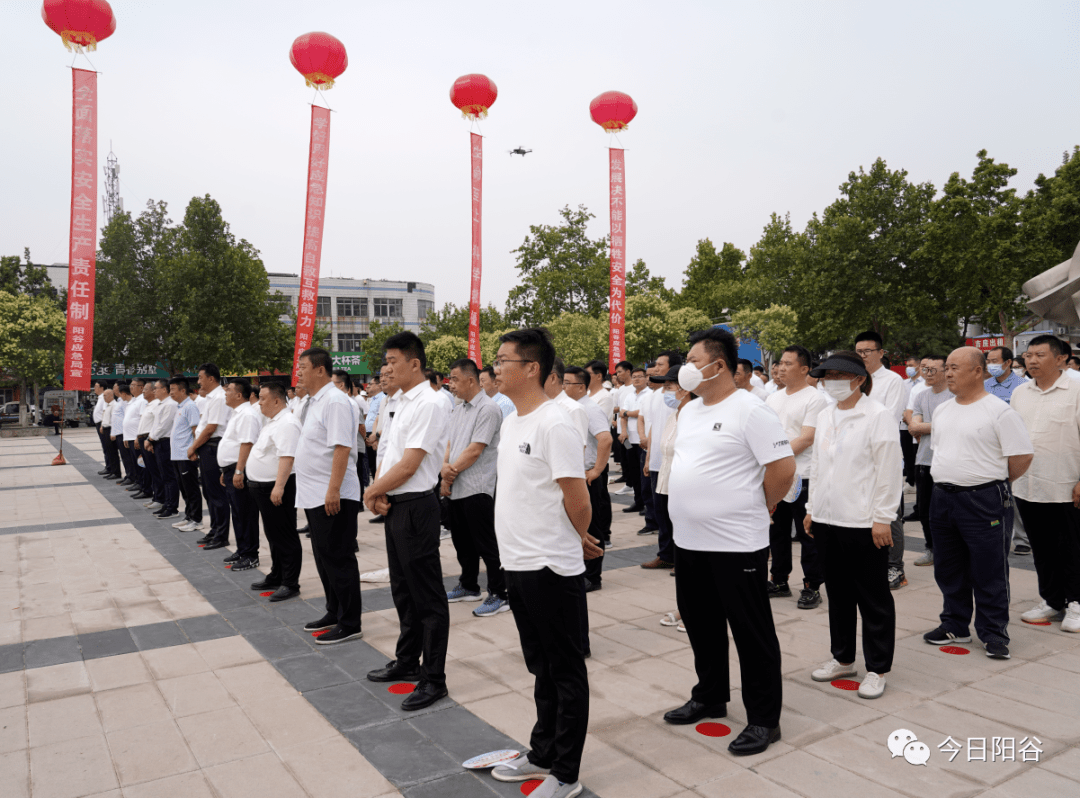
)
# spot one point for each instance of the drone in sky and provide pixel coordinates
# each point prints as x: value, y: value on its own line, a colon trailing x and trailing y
x: 519, y: 151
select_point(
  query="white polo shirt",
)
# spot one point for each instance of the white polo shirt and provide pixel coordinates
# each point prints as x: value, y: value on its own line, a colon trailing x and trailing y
x: 332, y: 421
x: 598, y: 424
x: 973, y: 442
x: 278, y: 437
x: 215, y: 411
x: 99, y: 408
x: 577, y: 414
x: 132, y: 416
x: 420, y: 422
x: 606, y: 401
x: 149, y: 417
x: 163, y: 419
x: 656, y: 415
x: 244, y: 426
x: 630, y: 401
x: 891, y: 390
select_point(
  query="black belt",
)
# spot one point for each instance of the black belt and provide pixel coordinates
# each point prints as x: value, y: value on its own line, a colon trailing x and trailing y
x: 261, y: 484
x: 398, y: 498
x: 223, y: 469
x: 950, y: 488
x: 144, y: 436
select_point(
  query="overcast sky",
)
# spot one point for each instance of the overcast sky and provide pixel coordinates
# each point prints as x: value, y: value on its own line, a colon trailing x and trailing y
x: 744, y: 109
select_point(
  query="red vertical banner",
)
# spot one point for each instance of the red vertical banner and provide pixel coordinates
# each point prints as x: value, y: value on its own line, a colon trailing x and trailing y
x: 82, y: 252
x: 477, y: 143
x: 318, y: 160
x: 617, y: 301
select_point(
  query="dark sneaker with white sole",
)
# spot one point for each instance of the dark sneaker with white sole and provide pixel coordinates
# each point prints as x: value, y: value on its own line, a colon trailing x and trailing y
x: 941, y: 637
x: 338, y: 635
x: 778, y: 589
x: 995, y: 649
x: 326, y: 622
x: 808, y: 599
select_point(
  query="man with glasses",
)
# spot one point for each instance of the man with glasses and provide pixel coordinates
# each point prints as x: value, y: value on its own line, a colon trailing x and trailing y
x: 892, y: 391
x: 936, y: 393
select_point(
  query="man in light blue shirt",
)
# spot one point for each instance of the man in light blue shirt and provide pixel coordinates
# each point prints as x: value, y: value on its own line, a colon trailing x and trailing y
x: 1002, y: 382
x: 183, y: 435
x: 122, y: 394
x: 487, y: 382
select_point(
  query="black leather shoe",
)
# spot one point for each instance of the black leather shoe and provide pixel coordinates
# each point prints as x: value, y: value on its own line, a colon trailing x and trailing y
x: 306, y: 528
x: 591, y: 586
x: 754, y: 740
x: 693, y: 711
x: 125, y: 482
x: 111, y: 477
x: 285, y: 593
x: 265, y: 584
x: 324, y: 623
x: 205, y: 538
x: 133, y: 487
x: 379, y: 519
x: 215, y: 544
x: 232, y: 557
x: 103, y: 472
x: 424, y: 695
x: 633, y: 508
x: 394, y: 673
x: 140, y: 496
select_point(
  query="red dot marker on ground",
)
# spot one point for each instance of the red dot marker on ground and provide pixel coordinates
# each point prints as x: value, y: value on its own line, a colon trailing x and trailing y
x: 267, y: 593
x: 954, y: 650
x: 530, y: 785
x: 320, y: 634
x: 713, y: 729
x: 1036, y: 623
x: 402, y: 688
x: 844, y: 684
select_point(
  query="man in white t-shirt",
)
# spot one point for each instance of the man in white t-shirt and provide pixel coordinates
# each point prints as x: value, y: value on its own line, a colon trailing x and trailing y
x: 892, y: 391
x: 629, y: 407
x: 404, y: 492
x: 619, y: 389
x: 652, y: 416
x: 542, y: 515
x: 744, y: 379
x: 214, y: 418
x: 733, y: 462
x: 798, y: 406
x: 980, y: 446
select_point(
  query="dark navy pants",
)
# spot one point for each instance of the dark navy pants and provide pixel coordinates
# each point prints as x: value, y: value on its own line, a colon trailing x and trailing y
x: 971, y: 558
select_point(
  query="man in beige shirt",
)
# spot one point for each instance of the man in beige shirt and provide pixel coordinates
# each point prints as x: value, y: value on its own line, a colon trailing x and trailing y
x: 1048, y: 494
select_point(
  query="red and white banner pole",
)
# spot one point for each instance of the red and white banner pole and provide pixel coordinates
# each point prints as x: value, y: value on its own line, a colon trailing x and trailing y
x: 477, y: 143
x: 617, y: 301
x: 318, y: 160
x: 82, y: 252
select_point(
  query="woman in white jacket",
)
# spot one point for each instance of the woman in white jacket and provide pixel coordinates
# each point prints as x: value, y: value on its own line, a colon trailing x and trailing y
x: 856, y: 476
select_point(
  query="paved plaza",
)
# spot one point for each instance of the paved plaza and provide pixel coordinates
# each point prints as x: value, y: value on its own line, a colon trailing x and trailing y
x: 134, y: 664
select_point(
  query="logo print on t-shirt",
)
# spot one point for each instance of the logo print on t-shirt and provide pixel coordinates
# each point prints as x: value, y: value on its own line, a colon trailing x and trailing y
x: 525, y: 448
x: 716, y: 427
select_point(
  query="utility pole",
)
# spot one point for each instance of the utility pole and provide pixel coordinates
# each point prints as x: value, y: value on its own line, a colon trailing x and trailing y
x: 112, y: 202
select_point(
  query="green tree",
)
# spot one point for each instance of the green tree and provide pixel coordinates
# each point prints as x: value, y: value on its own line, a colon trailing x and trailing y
x: 579, y: 338
x: 653, y: 326
x: 1051, y: 214
x: 713, y: 281
x: 374, y: 345
x: 444, y: 350
x: 776, y: 271
x: 774, y: 328
x: 454, y: 320
x: 32, y: 330
x: 28, y: 278
x: 640, y: 281
x: 560, y: 270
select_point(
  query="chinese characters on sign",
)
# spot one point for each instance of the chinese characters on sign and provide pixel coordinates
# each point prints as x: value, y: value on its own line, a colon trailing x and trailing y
x: 318, y: 159
x: 82, y: 253
x: 903, y: 742
x: 987, y: 342
x: 474, y: 288
x: 617, y: 303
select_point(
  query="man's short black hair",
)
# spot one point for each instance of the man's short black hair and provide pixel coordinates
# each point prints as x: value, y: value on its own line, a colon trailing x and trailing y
x: 869, y: 335
x: 275, y: 388
x: 290, y: 388
x: 409, y: 344
x: 1006, y: 353
x: 1057, y: 346
x: 942, y: 358
x: 533, y: 343
x: 637, y: 370
x: 243, y: 385
x: 624, y: 364
x: 161, y: 383
x: 674, y: 357
x: 489, y: 370
x: 101, y: 384
x: 559, y: 368
x: 1073, y: 359
x: 433, y: 377
x: 468, y: 368
x: 182, y: 381
x: 719, y: 343
x: 125, y: 389
x: 136, y: 381
x: 598, y: 368
x: 800, y: 352
x: 758, y: 368
x: 748, y: 367
x: 345, y: 377
x: 211, y: 370
x: 318, y: 358
x: 578, y: 373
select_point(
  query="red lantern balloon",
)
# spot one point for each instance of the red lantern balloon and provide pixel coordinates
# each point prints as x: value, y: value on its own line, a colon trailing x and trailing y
x: 613, y: 110
x: 80, y: 23
x: 473, y: 94
x: 320, y: 58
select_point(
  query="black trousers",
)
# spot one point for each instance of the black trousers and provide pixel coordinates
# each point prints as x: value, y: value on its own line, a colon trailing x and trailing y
x: 856, y: 578
x: 600, y: 525
x: 412, y: 549
x: 618, y: 453
x: 279, y: 524
x: 171, y: 488
x: 546, y: 609
x: 112, y: 453
x: 788, y: 514
x: 909, y: 448
x: 1054, y: 533
x: 472, y: 528
x: 157, y: 486
x: 666, y: 539
x: 632, y: 471
x: 333, y: 542
x: 126, y: 458
x: 971, y: 558
x: 245, y: 516
x: 924, y: 490
x: 142, y: 473
x: 646, y: 490
x: 187, y: 478
x: 217, y: 502
x: 717, y: 588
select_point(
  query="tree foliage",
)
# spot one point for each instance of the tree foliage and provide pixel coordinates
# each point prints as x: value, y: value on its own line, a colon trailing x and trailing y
x: 454, y: 320
x: 32, y: 330
x: 652, y: 325
x: 774, y: 328
x: 444, y: 350
x: 28, y: 278
x: 374, y: 345
x: 579, y: 338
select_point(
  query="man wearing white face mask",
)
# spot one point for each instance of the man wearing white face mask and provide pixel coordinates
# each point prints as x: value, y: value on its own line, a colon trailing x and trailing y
x: 1002, y: 382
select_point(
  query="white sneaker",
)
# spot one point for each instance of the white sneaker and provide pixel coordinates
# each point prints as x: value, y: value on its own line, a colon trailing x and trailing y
x: 382, y: 575
x: 154, y: 506
x: 191, y: 526
x: 1072, y: 617
x: 873, y: 685
x: 183, y: 522
x: 624, y: 491
x: 1042, y: 612
x: 444, y: 533
x: 833, y: 670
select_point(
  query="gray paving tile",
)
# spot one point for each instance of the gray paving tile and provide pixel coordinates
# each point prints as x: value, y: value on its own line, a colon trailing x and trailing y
x: 231, y: 601
x: 53, y: 651
x: 356, y: 659
x: 11, y: 658
x: 211, y: 583
x: 349, y: 706
x: 293, y: 612
x: 402, y: 754
x: 205, y: 627
x: 466, y: 784
x: 157, y: 635
x: 276, y: 644
x: 106, y: 644
x: 311, y: 672
x: 252, y: 618
x: 461, y: 734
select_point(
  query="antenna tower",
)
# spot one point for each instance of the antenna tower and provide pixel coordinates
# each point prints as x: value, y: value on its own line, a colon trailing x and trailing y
x: 112, y: 202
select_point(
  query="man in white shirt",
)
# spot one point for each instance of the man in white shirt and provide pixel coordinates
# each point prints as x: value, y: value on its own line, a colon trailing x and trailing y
x: 112, y: 453
x: 980, y: 446
x: 744, y: 379
x: 122, y: 398
x: 732, y: 464
x: 653, y: 412
x: 159, y: 444
x: 146, y: 423
x: 268, y: 473
x: 300, y: 402
x: 185, y: 422
x: 328, y: 491
x: 933, y: 393
x: 241, y: 432
x: 891, y: 390
x: 798, y: 406
x: 403, y: 491
x: 290, y: 392
x: 542, y: 515
x: 1048, y: 495
x: 908, y: 445
x: 620, y: 388
x: 215, y: 415
x: 487, y: 382
x: 777, y: 380
x: 629, y: 407
x: 98, y: 414
x: 143, y: 488
x: 597, y: 392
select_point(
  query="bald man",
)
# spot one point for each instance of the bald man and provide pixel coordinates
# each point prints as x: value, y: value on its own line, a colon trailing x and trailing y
x: 980, y: 447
